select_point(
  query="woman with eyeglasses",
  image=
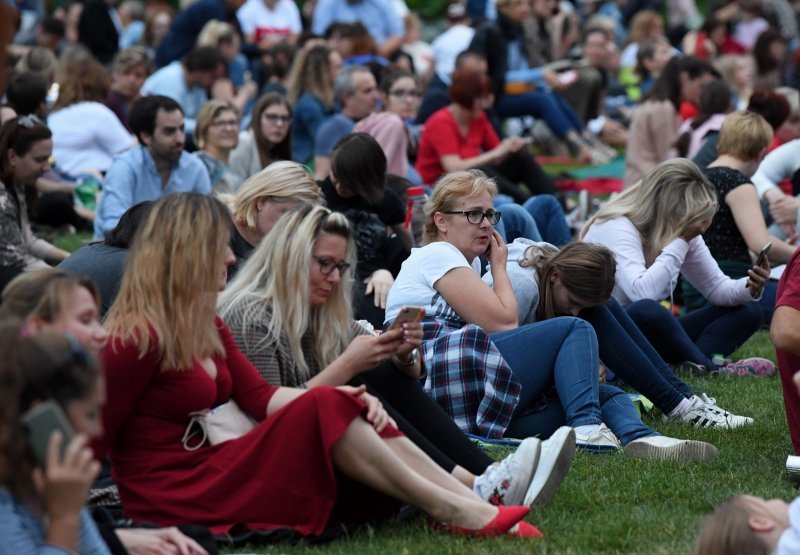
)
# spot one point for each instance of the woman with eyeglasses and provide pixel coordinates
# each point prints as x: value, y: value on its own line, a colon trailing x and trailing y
x: 315, y: 459
x: 299, y: 332
x: 269, y: 138
x: 391, y: 127
x: 216, y: 134
x: 485, y: 369
x: 26, y: 146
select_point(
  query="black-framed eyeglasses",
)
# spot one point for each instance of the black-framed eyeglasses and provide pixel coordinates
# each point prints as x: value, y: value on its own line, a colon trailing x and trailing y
x: 275, y: 119
x: 30, y: 121
x: 326, y: 266
x: 476, y: 216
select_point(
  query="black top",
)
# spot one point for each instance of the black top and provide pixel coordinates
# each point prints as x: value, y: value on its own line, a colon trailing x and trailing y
x: 242, y: 249
x: 376, y: 249
x: 723, y: 238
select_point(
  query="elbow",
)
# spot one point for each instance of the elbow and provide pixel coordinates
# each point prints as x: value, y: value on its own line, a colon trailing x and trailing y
x: 783, y: 340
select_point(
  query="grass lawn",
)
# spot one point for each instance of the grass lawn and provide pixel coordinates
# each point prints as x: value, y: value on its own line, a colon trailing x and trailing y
x: 616, y: 505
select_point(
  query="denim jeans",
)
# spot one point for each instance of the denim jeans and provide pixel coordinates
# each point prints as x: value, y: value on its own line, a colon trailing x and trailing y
x: 698, y: 335
x: 547, y: 106
x: 561, y: 351
x: 515, y: 221
x: 627, y: 353
x: 549, y: 217
x: 616, y: 408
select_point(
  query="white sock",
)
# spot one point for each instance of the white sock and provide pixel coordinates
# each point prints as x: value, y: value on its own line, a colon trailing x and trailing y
x: 682, y: 408
x: 588, y: 430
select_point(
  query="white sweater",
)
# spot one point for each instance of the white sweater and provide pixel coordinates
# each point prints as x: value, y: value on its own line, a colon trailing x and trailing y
x: 781, y: 163
x: 636, y: 281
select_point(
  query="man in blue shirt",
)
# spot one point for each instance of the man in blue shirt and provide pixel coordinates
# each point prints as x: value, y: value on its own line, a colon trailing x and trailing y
x: 155, y: 168
x: 378, y: 16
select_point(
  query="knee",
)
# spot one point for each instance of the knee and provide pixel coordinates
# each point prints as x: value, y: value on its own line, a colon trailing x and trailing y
x: 750, y: 314
x: 646, y: 307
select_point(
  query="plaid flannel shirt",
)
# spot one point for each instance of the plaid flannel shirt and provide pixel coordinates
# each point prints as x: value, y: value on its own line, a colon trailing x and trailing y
x: 468, y: 376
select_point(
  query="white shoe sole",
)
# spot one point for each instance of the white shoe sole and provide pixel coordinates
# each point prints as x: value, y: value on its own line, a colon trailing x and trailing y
x: 685, y: 451
x: 554, y: 461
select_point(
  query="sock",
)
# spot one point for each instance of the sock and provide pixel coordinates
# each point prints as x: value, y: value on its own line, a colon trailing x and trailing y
x: 588, y: 430
x: 682, y: 408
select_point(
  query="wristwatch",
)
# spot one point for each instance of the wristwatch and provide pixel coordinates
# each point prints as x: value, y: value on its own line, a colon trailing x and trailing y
x: 410, y: 362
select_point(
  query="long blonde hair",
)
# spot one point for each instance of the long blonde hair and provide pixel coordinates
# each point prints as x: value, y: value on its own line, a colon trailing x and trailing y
x: 170, y: 286
x: 273, y: 289
x: 671, y: 197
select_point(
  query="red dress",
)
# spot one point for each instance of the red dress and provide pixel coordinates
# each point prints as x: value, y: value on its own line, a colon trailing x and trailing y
x: 789, y: 295
x: 279, y: 475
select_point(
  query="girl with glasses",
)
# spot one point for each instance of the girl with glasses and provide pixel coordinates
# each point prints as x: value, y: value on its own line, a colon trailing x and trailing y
x: 299, y: 331
x: 269, y: 138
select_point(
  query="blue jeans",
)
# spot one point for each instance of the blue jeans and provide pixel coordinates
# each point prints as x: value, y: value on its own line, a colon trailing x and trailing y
x: 547, y: 106
x: 561, y: 351
x: 549, y: 217
x: 627, y: 353
x: 515, y: 221
x: 698, y: 335
x: 616, y: 408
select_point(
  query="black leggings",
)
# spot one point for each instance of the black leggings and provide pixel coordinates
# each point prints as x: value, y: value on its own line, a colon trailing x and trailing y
x: 423, y: 421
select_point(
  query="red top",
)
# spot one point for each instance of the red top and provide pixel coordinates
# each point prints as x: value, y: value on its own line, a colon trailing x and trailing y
x: 279, y: 475
x: 789, y: 295
x: 441, y: 137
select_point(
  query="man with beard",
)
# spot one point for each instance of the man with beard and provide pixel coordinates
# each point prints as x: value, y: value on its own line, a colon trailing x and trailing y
x: 158, y: 166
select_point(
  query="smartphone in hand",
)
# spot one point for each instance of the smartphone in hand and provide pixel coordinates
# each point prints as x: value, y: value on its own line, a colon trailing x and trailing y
x: 762, y: 255
x: 407, y: 314
x: 41, y: 421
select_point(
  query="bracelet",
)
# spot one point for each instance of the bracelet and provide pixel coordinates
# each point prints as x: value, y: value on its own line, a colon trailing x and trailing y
x: 411, y: 362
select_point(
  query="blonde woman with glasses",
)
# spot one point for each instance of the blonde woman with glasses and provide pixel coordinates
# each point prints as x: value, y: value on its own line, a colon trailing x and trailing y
x: 216, y: 134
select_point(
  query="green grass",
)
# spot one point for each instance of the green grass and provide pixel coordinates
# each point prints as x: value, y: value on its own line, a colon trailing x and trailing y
x: 612, y: 504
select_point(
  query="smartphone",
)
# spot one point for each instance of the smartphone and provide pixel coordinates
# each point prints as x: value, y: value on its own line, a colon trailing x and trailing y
x: 407, y: 314
x: 41, y: 421
x: 763, y: 254
x: 568, y: 77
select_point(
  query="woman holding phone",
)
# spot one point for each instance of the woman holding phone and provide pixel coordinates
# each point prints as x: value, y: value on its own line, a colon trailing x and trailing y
x: 308, y: 339
x: 169, y: 356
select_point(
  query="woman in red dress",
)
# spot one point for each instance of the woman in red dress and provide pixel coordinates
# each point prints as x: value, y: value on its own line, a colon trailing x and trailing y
x: 170, y: 356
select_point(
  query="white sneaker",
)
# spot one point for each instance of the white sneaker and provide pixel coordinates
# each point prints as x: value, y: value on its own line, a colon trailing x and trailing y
x: 506, y: 482
x: 662, y: 447
x: 604, y: 441
x: 705, y: 413
x: 555, y: 459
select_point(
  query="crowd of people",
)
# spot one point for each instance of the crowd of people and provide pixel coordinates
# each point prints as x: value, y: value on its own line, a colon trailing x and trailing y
x: 339, y: 243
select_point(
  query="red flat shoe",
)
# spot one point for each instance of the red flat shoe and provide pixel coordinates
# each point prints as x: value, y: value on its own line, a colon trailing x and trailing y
x: 526, y: 530
x: 506, y: 518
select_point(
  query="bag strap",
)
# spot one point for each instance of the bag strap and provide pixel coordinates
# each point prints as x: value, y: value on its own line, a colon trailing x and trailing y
x: 198, y: 421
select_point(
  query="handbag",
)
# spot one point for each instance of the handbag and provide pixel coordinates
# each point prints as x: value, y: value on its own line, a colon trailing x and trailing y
x: 217, y: 425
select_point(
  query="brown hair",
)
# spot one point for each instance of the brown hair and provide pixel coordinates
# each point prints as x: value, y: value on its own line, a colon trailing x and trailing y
x: 468, y: 86
x: 268, y: 152
x: 586, y: 270
x: 43, y: 294
x: 310, y: 73
x: 84, y: 81
x: 727, y: 532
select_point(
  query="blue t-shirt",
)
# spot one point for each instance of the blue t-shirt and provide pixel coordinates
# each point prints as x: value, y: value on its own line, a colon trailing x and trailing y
x: 330, y: 132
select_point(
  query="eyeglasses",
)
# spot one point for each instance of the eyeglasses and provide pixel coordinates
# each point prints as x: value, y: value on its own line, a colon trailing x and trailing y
x: 476, y: 216
x: 30, y: 121
x: 402, y: 93
x: 225, y: 123
x: 326, y: 266
x: 275, y: 119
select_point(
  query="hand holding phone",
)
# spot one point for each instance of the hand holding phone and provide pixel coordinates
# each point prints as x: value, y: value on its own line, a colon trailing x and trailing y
x: 407, y: 314
x: 762, y: 255
x: 759, y: 273
x: 41, y: 421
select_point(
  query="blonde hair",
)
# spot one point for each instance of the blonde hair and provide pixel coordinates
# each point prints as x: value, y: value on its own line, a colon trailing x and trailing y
x: 727, y: 532
x: 310, y: 73
x: 744, y: 135
x: 214, y: 32
x: 586, y: 270
x: 671, y: 197
x: 43, y: 294
x: 169, y: 289
x: 280, y: 182
x: 206, y: 114
x: 272, y: 289
x: 450, y: 188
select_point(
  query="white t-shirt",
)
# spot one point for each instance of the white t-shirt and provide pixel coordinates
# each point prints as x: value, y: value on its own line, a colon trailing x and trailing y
x: 447, y: 47
x: 789, y: 542
x: 86, y: 136
x: 256, y: 19
x: 414, y: 285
